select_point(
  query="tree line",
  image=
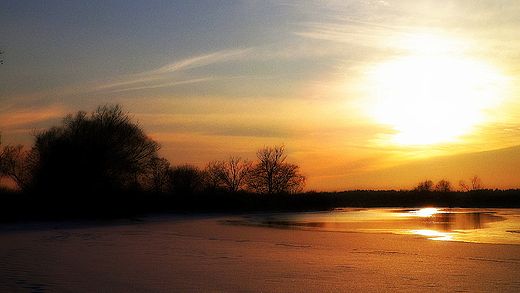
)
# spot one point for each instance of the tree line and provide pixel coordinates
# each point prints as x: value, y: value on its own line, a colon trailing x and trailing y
x: 102, y: 164
x: 103, y: 159
x: 475, y: 184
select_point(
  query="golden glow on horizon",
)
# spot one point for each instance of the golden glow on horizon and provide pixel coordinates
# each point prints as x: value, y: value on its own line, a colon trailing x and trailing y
x: 433, y: 95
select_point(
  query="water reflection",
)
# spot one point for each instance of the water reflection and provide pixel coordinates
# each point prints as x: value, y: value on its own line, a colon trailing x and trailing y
x: 442, y: 224
x: 434, y: 235
x: 474, y: 225
x: 450, y: 221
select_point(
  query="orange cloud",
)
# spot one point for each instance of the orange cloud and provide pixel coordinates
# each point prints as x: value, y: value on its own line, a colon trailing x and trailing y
x: 12, y: 118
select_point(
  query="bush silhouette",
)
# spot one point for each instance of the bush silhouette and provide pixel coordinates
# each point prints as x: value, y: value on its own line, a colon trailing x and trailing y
x: 91, y: 158
x: 186, y: 180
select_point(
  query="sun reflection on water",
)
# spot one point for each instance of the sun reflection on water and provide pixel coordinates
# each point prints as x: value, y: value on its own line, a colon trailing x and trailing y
x: 429, y: 213
x: 426, y: 212
x: 435, y: 235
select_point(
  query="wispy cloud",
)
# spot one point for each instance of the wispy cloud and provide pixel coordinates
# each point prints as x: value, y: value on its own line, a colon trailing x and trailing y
x: 171, y: 74
x: 200, y: 61
x: 160, y: 85
x: 354, y: 33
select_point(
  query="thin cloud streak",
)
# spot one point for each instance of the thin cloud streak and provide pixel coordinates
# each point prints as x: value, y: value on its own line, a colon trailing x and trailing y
x: 166, y: 84
x: 172, y: 71
x: 199, y: 61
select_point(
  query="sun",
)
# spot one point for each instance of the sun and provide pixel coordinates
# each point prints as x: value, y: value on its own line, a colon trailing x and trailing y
x: 433, y: 98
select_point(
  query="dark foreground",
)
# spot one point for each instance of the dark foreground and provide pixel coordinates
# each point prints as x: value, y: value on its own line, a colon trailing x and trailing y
x: 15, y: 206
x: 200, y: 254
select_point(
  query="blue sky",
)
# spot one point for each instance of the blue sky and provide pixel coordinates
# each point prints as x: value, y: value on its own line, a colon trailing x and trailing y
x: 337, y: 82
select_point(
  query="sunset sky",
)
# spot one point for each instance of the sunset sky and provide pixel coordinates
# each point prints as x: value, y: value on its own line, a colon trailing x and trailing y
x: 363, y: 94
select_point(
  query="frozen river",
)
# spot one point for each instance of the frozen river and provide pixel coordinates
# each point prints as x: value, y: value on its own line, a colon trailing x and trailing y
x: 499, y: 226
x: 370, y: 250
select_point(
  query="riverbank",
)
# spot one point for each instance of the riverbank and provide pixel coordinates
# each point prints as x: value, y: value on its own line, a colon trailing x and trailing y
x: 17, y: 206
x: 201, y: 254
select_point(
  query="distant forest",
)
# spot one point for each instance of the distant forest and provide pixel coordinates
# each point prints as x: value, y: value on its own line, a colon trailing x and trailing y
x: 101, y: 164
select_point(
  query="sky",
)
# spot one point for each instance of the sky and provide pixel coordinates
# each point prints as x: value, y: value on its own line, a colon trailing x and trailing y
x: 362, y: 94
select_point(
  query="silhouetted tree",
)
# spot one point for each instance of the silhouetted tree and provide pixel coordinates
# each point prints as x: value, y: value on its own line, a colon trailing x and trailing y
x: 425, y: 186
x: 156, y: 179
x: 231, y: 175
x: 91, y: 153
x: 476, y: 184
x: 2, y: 160
x: 271, y: 174
x: 185, y: 180
x: 443, y: 186
x: 15, y: 164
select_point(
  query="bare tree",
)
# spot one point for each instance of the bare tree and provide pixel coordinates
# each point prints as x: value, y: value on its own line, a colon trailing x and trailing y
x: 2, y: 160
x: 231, y: 175
x: 273, y: 175
x: 15, y: 164
x: 476, y: 184
x: 443, y: 186
x: 157, y: 178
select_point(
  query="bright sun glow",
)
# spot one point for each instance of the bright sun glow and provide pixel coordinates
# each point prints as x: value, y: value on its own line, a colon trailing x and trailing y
x: 431, y: 97
x: 426, y: 212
